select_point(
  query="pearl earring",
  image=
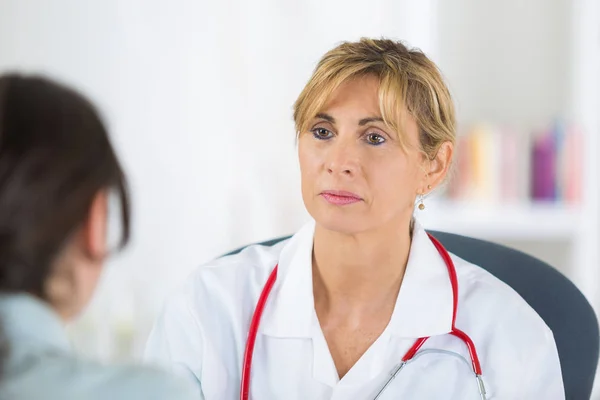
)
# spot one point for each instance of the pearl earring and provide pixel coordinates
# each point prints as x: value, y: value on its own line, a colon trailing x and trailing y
x: 421, y: 205
x: 421, y: 198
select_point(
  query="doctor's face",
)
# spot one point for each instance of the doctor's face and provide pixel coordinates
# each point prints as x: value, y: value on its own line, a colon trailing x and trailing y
x: 356, y: 176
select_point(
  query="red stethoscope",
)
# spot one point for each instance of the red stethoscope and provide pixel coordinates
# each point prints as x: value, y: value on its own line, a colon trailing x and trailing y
x: 260, y: 306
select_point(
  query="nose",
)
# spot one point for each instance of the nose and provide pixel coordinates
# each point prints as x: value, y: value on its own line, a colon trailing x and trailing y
x: 342, y: 159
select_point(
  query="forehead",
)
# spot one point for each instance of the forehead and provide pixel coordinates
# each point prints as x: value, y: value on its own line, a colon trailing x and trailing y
x: 358, y: 95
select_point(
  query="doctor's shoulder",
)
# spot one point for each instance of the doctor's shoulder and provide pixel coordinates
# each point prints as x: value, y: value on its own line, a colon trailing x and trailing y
x: 515, y: 345
x: 206, y: 312
x: 230, y: 278
x: 241, y: 275
x: 491, y: 301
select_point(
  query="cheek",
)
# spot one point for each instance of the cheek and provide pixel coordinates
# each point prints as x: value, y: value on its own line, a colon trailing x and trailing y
x: 395, y: 180
x: 309, y: 160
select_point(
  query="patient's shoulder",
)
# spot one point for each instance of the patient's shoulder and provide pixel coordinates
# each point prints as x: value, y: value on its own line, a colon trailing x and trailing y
x: 61, y: 376
x: 131, y: 382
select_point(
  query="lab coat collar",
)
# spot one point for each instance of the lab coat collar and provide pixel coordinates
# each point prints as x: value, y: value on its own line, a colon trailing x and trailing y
x: 290, y: 312
x: 29, y: 321
x: 424, y: 304
x: 423, y: 307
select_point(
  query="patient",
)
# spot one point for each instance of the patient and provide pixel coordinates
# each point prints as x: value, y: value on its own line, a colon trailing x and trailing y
x: 57, y: 170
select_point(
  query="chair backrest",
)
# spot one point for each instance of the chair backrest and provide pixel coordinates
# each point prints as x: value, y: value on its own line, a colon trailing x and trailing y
x: 554, y: 297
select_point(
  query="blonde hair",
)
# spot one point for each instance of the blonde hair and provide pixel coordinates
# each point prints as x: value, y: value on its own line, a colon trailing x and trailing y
x: 408, y: 81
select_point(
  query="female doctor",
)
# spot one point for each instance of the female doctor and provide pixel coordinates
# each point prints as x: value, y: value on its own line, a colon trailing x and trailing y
x: 361, y: 303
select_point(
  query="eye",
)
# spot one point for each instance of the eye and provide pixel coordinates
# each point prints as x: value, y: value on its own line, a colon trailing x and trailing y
x: 375, y: 139
x: 322, y: 133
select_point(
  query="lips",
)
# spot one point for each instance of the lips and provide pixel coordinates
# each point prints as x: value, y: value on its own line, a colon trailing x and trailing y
x: 340, y: 197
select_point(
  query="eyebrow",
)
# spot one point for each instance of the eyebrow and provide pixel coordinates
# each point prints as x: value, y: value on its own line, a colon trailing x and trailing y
x: 366, y: 121
x: 326, y: 117
x: 362, y: 122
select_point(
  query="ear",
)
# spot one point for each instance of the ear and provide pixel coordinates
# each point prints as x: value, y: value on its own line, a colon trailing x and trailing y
x: 438, y: 167
x: 95, y: 227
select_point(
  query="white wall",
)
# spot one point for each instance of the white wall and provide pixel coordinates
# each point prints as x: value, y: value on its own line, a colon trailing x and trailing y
x: 507, y: 61
x: 198, y: 96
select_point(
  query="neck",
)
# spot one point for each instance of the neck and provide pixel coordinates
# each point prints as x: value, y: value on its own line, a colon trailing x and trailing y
x: 360, y: 269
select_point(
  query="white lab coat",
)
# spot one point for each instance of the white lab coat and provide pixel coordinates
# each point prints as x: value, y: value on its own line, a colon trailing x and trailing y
x: 204, y: 325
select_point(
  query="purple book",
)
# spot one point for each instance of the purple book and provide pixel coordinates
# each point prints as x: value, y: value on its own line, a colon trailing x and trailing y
x: 543, y: 168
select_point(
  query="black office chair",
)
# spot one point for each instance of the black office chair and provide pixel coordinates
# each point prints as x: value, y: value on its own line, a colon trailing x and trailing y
x: 562, y: 306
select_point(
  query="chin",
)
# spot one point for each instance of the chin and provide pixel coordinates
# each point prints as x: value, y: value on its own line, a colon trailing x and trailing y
x: 340, y: 222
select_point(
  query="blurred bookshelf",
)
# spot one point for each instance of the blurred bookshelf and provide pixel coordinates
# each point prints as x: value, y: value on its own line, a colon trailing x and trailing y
x: 525, y: 80
x: 508, y: 184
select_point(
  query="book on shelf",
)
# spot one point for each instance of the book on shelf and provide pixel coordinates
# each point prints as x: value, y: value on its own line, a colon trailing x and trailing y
x: 500, y: 164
